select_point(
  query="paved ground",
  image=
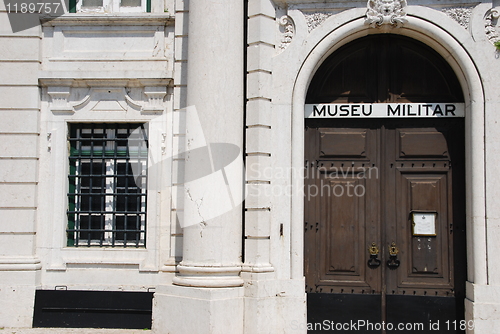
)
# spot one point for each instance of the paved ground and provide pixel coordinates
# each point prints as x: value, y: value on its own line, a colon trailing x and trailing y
x: 71, y: 330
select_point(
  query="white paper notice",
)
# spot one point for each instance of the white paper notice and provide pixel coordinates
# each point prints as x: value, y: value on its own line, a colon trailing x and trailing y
x: 424, y: 223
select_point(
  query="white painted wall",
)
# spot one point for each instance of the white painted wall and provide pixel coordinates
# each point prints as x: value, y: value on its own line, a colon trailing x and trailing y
x: 136, y: 55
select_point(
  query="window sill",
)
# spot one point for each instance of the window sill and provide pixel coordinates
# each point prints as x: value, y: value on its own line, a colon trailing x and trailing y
x: 108, y: 19
x: 105, y: 257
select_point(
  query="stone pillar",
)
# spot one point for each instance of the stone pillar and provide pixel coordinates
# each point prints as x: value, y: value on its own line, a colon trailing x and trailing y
x: 207, y: 295
x: 213, y: 179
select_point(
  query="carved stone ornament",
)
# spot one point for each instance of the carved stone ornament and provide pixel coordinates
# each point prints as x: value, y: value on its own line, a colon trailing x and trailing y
x: 386, y: 12
x: 314, y: 20
x: 287, y: 30
x: 460, y: 14
x: 106, y: 99
x: 492, y: 25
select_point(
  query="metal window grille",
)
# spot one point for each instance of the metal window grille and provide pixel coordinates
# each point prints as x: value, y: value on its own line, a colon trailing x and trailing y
x: 107, y: 202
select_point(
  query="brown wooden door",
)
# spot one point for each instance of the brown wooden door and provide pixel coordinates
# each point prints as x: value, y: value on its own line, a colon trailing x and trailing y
x: 364, y: 179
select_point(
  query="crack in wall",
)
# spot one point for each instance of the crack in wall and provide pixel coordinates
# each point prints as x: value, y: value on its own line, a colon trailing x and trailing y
x: 198, y: 204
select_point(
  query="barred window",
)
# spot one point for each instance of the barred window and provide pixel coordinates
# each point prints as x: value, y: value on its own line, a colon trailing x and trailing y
x: 107, y: 184
x: 109, y: 6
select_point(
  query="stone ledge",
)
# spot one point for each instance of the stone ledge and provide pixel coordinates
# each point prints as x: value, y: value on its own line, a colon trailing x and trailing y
x: 115, y: 19
x: 104, y: 79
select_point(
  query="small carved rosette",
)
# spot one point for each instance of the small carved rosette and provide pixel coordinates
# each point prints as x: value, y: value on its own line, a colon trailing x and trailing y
x: 386, y: 12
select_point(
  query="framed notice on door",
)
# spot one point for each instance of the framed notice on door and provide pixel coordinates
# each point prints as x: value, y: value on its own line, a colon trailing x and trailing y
x: 424, y: 224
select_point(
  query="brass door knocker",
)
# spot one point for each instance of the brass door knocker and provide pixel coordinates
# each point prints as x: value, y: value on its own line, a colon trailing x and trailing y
x: 373, y: 262
x: 393, y: 261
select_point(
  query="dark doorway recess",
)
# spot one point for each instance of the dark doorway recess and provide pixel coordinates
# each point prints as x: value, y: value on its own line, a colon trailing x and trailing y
x: 92, y: 309
x: 384, y: 68
x: 371, y: 177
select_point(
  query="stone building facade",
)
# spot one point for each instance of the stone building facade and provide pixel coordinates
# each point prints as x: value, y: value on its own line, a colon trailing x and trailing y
x: 216, y: 85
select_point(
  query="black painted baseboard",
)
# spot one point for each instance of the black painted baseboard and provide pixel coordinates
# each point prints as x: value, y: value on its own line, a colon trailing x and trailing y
x: 92, y: 309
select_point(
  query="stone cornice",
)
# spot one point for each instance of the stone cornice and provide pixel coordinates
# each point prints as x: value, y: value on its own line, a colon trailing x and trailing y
x: 115, y: 19
x: 133, y: 80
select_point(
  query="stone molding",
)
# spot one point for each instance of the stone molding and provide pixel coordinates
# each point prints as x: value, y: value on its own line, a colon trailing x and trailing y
x: 204, y: 276
x: 115, y: 19
x: 20, y: 264
x: 116, y: 98
x: 381, y: 12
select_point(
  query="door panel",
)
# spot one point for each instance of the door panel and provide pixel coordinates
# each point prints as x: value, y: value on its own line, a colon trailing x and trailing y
x: 426, y: 261
x: 343, y: 232
x: 332, y: 185
x: 413, y: 144
x: 343, y: 143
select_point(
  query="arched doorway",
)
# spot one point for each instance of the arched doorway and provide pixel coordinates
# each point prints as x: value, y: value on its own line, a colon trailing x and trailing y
x: 385, y: 197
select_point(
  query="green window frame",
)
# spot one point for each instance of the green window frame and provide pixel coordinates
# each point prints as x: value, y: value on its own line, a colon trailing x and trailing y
x: 107, y: 184
x: 72, y: 6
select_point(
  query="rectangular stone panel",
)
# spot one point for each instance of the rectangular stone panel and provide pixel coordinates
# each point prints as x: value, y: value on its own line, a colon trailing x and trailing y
x: 18, y: 170
x: 6, y: 29
x: 18, y: 73
x: 257, y: 223
x: 261, y: 29
x: 20, y: 97
x: 17, y: 220
x: 19, y: 48
x: 258, y: 140
x: 259, y: 85
x: 13, y: 245
x: 18, y: 146
x: 19, y: 121
x: 17, y: 195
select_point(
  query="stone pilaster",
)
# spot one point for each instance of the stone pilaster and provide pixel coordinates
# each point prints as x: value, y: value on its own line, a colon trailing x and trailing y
x: 260, y: 50
x: 19, y: 161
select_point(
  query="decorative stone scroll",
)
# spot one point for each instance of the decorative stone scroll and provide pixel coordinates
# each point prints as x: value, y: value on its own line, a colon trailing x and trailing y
x: 492, y: 25
x: 386, y: 12
x: 287, y: 29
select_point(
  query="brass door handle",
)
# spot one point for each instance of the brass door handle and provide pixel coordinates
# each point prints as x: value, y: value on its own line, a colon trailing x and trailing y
x: 393, y: 261
x: 373, y: 262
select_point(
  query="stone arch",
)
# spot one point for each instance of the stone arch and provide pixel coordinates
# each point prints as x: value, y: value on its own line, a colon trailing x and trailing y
x: 328, y: 38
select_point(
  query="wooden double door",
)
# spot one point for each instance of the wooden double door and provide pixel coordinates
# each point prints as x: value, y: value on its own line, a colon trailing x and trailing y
x: 371, y: 258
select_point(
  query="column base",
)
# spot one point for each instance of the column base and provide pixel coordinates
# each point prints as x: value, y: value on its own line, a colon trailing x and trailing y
x: 208, y: 277
x: 190, y: 310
